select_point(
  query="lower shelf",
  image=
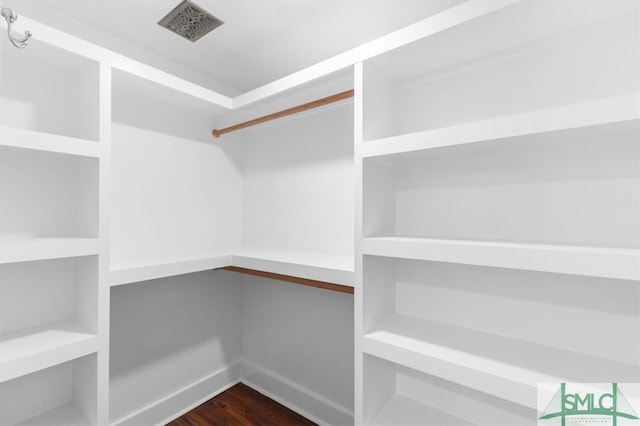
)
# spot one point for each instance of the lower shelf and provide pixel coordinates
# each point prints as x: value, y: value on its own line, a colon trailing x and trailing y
x: 402, y: 410
x: 62, y: 395
x: 67, y: 415
x: 33, y: 349
x: 503, y: 367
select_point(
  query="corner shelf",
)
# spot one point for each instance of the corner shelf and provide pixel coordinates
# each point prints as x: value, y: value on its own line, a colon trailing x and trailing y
x: 313, y: 266
x: 29, y: 139
x: 150, y: 272
x: 614, y: 114
x: 33, y: 349
x: 504, y: 367
x: 29, y: 249
x: 619, y: 263
x: 337, y: 270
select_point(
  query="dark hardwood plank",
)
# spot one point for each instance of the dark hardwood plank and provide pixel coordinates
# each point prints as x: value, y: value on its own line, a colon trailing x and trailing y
x: 241, y: 405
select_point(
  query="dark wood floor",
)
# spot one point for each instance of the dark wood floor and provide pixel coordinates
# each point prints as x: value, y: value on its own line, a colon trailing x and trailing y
x: 241, y: 405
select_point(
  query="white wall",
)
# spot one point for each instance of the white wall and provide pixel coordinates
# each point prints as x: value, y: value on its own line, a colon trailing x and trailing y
x: 170, y: 333
x: 298, y: 342
x: 298, y: 183
x: 175, y: 194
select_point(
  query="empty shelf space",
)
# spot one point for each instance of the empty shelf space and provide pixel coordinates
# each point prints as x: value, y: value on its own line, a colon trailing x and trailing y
x: 620, y: 263
x: 504, y: 367
x: 29, y: 139
x: 312, y: 266
x: 26, y: 351
x: 28, y: 249
x: 67, y: 415
x: 402, y: 410
x: 587, y: 120
x: 150, y: 272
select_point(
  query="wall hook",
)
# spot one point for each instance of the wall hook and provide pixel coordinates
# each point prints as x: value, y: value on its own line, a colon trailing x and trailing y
x: 10, y: 16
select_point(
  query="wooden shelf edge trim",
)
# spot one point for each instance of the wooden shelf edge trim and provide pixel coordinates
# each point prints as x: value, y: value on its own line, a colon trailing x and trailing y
x: 291, y: 279
x: 284, y: 113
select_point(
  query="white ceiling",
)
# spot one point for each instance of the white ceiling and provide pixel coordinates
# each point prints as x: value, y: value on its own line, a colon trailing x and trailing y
x: 261, y: 40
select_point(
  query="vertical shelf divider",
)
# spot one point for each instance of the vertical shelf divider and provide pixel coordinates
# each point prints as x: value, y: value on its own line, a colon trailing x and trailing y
x: 104, y: 290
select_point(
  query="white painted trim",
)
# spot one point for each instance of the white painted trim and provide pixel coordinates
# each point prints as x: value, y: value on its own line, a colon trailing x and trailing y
x: 457, y: 15
x: 309, y: 404
x: 46, y: 34
x: 184, y: 400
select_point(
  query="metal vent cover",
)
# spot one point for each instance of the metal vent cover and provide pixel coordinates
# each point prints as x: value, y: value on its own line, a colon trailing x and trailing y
x: 190, y: 21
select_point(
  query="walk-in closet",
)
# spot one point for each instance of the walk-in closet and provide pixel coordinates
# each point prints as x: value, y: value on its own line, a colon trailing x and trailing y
x: 370, y: 212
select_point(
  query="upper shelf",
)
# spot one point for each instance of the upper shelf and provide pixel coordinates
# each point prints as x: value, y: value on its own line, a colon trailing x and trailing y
x: 500, y: 366
x: 619, y: 263
x: 38, y: 141
x: 589, y: 120
x: 28, y: 249
x: 313, y: 266
x: 527, y: 23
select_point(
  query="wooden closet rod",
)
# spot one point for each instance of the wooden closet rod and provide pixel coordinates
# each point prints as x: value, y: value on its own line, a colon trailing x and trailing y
x: 284, y: 113
x: 291, y: 279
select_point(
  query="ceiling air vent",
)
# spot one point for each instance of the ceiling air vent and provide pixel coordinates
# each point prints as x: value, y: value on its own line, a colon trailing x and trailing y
x: 190, y: 21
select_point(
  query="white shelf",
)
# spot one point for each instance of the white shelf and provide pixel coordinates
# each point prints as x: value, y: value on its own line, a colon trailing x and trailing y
x: 67, y: 415
x: 402, y: 410
x: 26, y: 351
x: 613, y: 112
x: 39, y: 141
x: 619, y: 263
x: 313, y: 266
x: 150, y: 272
x: 28, y: 249
x: 504, y: 367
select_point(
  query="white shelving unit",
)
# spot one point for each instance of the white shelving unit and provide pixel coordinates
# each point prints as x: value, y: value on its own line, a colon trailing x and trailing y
x: 504, y: 367
x: 499, y: 176
x: 50, y: 153
x: 496, y: 195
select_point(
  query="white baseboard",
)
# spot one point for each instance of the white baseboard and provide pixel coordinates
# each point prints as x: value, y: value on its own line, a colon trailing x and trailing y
x: 163, y: 411
x: 303, y: 401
